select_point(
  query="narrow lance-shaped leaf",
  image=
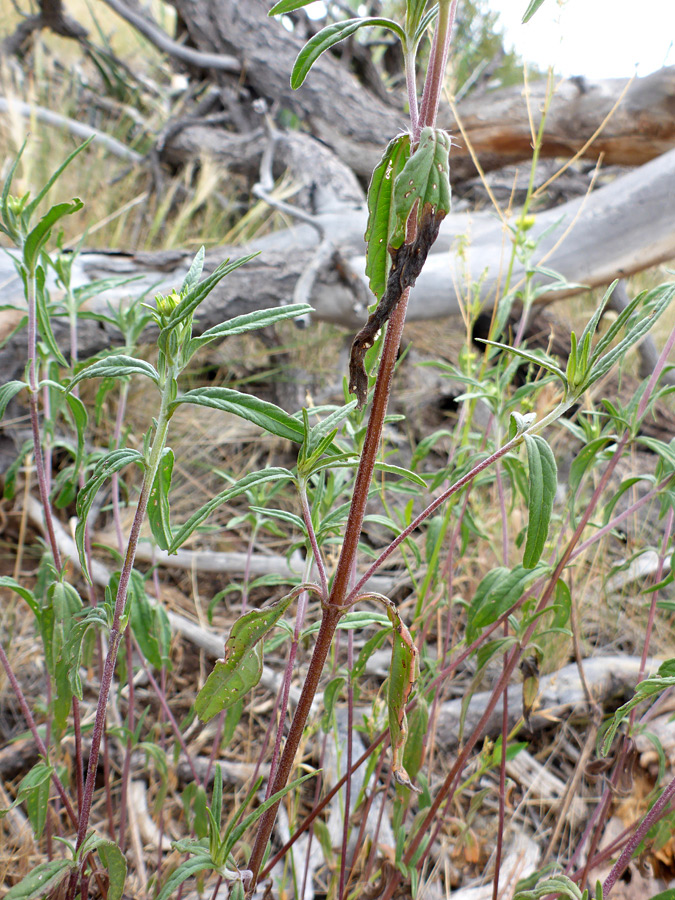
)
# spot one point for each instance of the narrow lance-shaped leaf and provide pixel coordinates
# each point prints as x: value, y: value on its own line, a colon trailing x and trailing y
x: 43, y: 318
x: 328, y: 37
x: 79, y: 413
x: 113, y: 862
x: 158, y: 501
x: 199, y: 292
x: 423, y: 181
x: 248, y: 481
x: 655, y: 304
x: 247, y: 406
x: 499, y: 590
x: 66, y: 603
x: 558, y: 885
x: 381, y: 212
x: 111, y: 463
x: 286, y: 6
x: 531, y: 10
x: 402, y: 677
x: 184, y: 871
x: 195, y: 271
x: 116, y: 367
x: 261, y: 318
x: 650, y: 687
x: 44, y: 190
x: 7, y: 392
x: 536, y: 357
x: 543, y: 479
x: 241, y: 668
x: 42, y: 881
x: 39, y: 236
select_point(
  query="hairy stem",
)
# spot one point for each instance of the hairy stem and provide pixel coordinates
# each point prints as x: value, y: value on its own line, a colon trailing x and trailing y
x: 335, y: 606
x: 120, y: 602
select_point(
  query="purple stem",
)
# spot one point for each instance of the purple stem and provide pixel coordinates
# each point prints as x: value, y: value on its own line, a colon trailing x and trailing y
x: 161, y: 696
x: 433, y: 84
x: 348, y: 784
x: 652, y: 816
x: 309, y: 525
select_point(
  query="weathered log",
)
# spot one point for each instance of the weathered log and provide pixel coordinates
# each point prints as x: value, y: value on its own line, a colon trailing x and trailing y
x: 356, y: 124
x: 622, y: 228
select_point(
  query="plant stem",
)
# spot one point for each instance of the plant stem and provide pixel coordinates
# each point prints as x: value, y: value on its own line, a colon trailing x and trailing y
x: 411, y: 85
x: 34, y: 419
x: 433, y: 84
x: 120, y: 602
x: 652, y: 816
x: 335, y: 606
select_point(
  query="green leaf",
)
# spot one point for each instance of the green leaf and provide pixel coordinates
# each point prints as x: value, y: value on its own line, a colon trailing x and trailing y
x: 234, y: 834
x: 286, y: 6
x: 536, y: 357
x: 198, y: 293
x: 158, y: 501
x: 381, y: 212
x: 65, y: 604
x: 654, y: 304
x: 42, y: 880
x: 115, y: 865
x: 531, y: 10
x: 584, y: 459
x: 241, y: 667
x: 418, y: 724
x: 424, y: 180
x: 253, y: 479
x: 184, y: 871
x: 644, y: 689
x: 4, y: 201
x: 44, y: 190
x: 498, y: 591
x: 328, y: 37
x: 7, y: 392
x: 261, y: 318
x: 112, y: 462
x: 401, y: 472
x: 116, y: 367
x: 34, y: 790
x: 371, y: 645
x: 149, y: 621
x: 43, y: 318
x: 7, y: 582
x: 559, y: 884
x: 331, y: 695
x: 39, y: 236
x: 266, y: 415
x: 543, y: 479
x: 402, y: 676
x: 191, y: 280
x: 79, y: 413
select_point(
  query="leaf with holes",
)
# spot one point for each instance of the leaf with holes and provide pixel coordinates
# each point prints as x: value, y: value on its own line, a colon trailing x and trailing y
x: 241, y: 668
x: 381, y: 212
x: 423, y: 181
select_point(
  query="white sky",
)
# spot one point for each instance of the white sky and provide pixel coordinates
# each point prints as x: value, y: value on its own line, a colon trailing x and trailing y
x: 595, y: 38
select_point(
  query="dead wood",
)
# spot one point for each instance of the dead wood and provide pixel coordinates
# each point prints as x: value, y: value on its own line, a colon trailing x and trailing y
x: 158, y: 37
x: 52, y: 16
x: 622, y: 228
x: 356, y: 123
x: 561, y: 697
